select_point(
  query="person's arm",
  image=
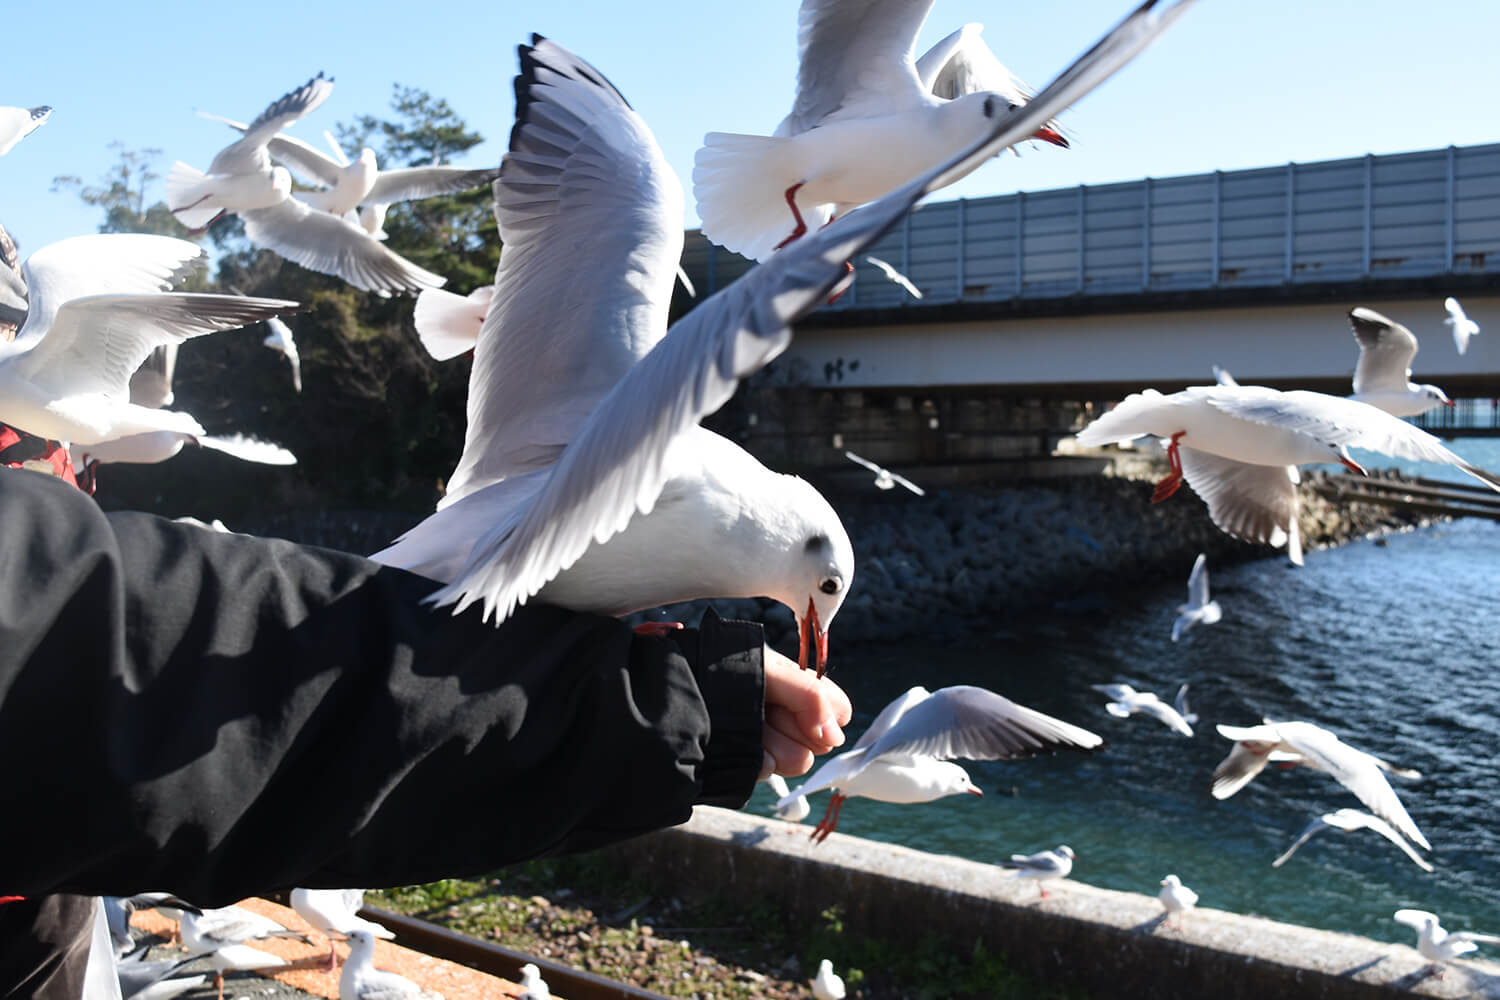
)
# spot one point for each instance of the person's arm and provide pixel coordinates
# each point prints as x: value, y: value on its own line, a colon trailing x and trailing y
x: 219, y: 715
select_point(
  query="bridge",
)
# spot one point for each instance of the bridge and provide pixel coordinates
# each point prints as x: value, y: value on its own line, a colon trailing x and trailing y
x: 1091, y: 292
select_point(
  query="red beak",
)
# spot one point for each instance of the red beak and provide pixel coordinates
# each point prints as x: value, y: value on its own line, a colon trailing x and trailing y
x: 975, y: 791
x: 1051, y: 135
x: 1449, y: 402
x: 812, y: 641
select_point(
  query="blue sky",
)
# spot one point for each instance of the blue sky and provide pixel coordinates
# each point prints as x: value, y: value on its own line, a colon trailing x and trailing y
x: 1233, y: 84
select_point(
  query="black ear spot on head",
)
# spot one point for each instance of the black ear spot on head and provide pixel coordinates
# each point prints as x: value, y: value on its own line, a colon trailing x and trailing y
x: 816, y: 542
x: 989, y: 107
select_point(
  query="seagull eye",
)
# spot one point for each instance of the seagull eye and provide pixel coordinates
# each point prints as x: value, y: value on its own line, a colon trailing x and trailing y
x: 832, y: 585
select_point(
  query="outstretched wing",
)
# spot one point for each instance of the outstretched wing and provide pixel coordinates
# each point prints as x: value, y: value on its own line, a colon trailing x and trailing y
x: 1356, y: 771
x: 411, y: 183
x: 322, y: 242
x: 977, y: 724
x: 1255, y: 502
x: 248, y: 154
x: 1386, y: 350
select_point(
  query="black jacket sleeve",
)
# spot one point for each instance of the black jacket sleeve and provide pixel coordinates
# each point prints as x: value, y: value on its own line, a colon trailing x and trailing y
x: 220, y: 715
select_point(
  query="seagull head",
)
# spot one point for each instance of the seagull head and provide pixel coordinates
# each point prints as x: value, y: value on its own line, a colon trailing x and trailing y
x: 1435, y: 394
x: 997, y: 104
x: 1171, y: 881
x: 1067, y: 852
x: 281, y: 182
x: 817, y: 569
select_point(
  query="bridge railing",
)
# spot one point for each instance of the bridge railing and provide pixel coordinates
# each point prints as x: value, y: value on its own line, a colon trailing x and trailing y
x: 1403, y: 215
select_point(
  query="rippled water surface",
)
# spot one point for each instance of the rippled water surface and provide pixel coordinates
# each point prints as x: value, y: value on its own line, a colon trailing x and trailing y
x: 1395, y: 646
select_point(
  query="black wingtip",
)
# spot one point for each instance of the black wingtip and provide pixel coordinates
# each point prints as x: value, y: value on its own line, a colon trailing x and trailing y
x: 1369, y: 324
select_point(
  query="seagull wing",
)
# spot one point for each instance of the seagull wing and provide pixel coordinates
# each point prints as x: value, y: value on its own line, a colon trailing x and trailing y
x: 590, y: 218
x: 1386, y: 350
x: 1463, y: 326
x: 248, y: 449
x: 1115, y: 692
x: 1355, y: 770
x: 963, y: 64
x: 1350, y: 820
x: 864, y: 461
x: 1414, y: 918
x: 1255, y: 502
x: 1316, y: 826
x: 306, y: 161
x: 322, y: 242
x: 412, y: 183
x: 895, y: 276
x: 1222, y: 377
x: 249, y: 153
x: 151, y: 385
x: 1165, y: 714
x: 909, y: 484
x: 1473, y: 937
x: 977, y: 724
x: 1181, y: 704
x: 617, y: 463
x: 855, y: 59
x: 1236, y: 771
x: 830, y: 775
x: 891, y: 714
x: 1198, y: 582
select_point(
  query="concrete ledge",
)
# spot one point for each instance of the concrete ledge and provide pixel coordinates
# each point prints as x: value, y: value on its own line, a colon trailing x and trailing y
x: 1105, y: 942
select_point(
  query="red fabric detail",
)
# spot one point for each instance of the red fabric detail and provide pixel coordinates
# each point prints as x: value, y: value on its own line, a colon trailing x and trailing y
x: 10, y: 899
x: 17, y: 448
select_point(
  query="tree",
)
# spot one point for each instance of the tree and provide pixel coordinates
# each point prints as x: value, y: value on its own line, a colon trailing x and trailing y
x: 121, y: 193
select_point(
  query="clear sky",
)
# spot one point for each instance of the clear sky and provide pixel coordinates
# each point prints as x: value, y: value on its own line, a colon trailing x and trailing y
x: 1233, y: 84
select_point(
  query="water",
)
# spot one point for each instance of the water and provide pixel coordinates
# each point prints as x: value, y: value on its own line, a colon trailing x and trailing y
x: 1392, y: 646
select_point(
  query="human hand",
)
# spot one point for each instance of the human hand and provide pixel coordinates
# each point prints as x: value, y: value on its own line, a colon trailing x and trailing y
x: 805, y: 716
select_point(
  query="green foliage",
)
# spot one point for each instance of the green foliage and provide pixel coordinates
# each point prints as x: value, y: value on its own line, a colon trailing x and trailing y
x: 121, y: 194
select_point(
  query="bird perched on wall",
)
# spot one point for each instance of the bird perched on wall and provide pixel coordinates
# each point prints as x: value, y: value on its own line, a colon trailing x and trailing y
x: 533, y: 986
x: 221, y: 934
x: 827, y: 984
x: 1199, y: 609
x: 1044, y: 866
x: 1437, y: 945
x: 1463, y: 327
x: 1176, y: 898
x: 1383, y: 376
x: 796, y: 809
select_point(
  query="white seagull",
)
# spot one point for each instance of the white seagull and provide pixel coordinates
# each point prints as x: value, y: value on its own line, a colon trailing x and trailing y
x: 1292, y: 743
x: 1238, y: 446
x: 99, y: 306
x: 1044, y: 866
x: 884, y: 478
x: 906, y: 755
x: 222, y: 933
x: 17, y: 123
x: 360, y: 980
x: 331, y: 912
x: 1437, y: 945
x: 1126, y: 701
x: 1350, y: 820
x: 583, y: 417
x: 533, y: 986
x: 1463, y: 326
x: 1176, y: 898
x: 281, y: 341
x: 796, y: 809
x: 1199, y: 609
x: 1383, y: 376
x: 867, y: 119
x: 827, y: 984
x: 449, y: 324
x: 894, y: 276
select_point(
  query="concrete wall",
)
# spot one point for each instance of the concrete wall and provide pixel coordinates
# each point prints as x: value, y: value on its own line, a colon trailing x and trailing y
x: 1107, y: 943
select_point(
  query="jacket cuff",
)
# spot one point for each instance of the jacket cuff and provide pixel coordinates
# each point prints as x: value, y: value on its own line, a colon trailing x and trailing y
x: 731, y: 678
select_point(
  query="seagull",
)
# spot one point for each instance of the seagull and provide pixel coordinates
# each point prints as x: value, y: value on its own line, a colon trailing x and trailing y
x: 148, y: 980
x: 1463, y: 326
x: 906, y: 755
x: 332, y: 913
x: 1198, y: 609
x: 449, y: 324
x: 117, y: 911
x: 1042, y: 866
x: 1126, y: 701
x: 360, y: 980
x: 533, y: 986
x: 827, y: 984
x: 347, y: 185
x: 580, y: 428
x: 1383, y: 376
x: 222, y: 933
x: 1292, y: 743
x: 1437, y: 945
x: 17, y: 123
x: 885, y: 478
x: 1176, y: 898
x: 1349, y: 820
x: 895, y: 276
x: 796, y: 809
x: 99, y: 306
x: 866, y: 120
x: 281, y: 341
x: 1222, y: 376
x: 1238, y: 447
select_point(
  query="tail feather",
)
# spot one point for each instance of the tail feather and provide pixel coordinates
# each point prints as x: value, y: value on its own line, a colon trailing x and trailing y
x: 449, y: 324
x: 186, y: 192
x: 249, y: 449
x: 740, y: 184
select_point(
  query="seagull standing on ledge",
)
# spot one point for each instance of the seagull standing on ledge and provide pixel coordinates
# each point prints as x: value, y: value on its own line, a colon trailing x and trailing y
x: 827, y: 984
x: 1437, y: 945
x: 1176, y: 898
x: 1043, y: 866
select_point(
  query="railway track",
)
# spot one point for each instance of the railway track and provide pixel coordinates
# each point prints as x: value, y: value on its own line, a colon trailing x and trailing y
x: 1423, y: 496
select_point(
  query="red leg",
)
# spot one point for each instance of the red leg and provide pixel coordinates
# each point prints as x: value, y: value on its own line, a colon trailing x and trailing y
x: 657, y: 629
x: 791, y: 202
x: 830, y: 819
x: 1173, y: 480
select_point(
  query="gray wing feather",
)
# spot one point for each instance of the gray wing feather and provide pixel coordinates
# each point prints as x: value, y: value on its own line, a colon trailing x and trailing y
x: 322, y: 242
x: 1356, y: 771
x: 1255, y: 502
x: 248, y: 154
x: 1386, y: 350
x: 412, y: 183
x: 977, y: 724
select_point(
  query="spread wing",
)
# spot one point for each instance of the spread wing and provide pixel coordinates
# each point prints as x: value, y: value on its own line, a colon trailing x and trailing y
x: 410, y: 183
x: 322, y: 242
x: 1255, y: 502
x: 307, y: 162
x: 977, y: 724
x: 1386, y: 350
x: 1356, y: 771
x: 962, y: 64
x: 1198, y: 581
x: 249, y: 154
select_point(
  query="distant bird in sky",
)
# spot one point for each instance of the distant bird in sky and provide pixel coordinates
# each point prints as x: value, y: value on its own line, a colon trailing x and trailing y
x: 360, y: 980
x: 827, y: 984
x: 1199, y: 609
x: 281, y: 341
x: 17, y: 123
x: 895, y: 276
x: 1176, y: 898
x: 1437, y: 945
x: 1383, y: 376
x: 1292, y: 743
x: 1126, y: 701
x: 1463, y: 326
x: 99, y: 306
x: 1042, y: 867
x: 1237, y: 446
x: 906, y: 755
x: 1348, y: 821
x: 885, y: 478
x: 331, y: 912
x: 866, y: 119
x: 796, y: 809
x: 533, y: 986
